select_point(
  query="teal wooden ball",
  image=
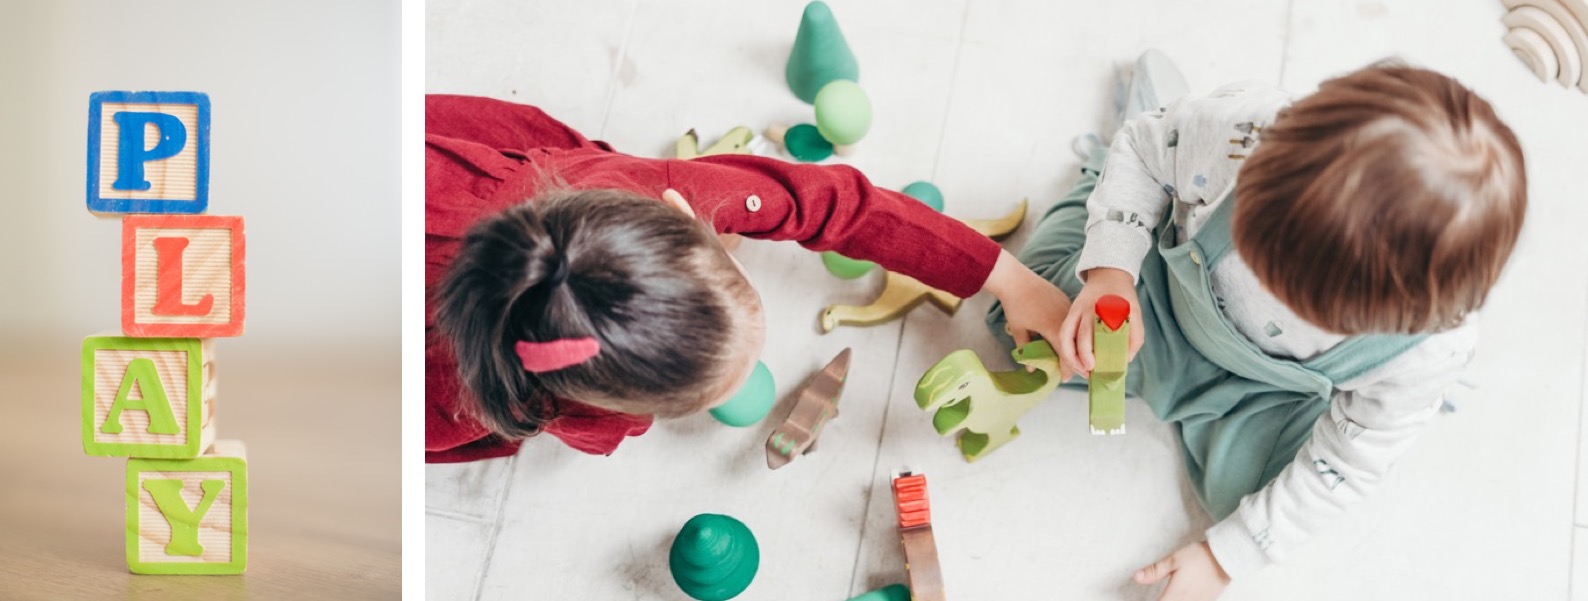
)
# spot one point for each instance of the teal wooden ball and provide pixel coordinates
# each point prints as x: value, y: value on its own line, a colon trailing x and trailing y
x: 843, y: 112
x: 753, y: 402
x: 845, y: 267
x: 927, y: 193
x: 806, y: 143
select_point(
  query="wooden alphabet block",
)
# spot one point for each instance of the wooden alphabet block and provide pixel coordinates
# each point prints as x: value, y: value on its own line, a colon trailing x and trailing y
x: 189, y: 516
x: 148, y: 152
x: 147, y: 397
x: 915, y: 535
x: 182, y: 276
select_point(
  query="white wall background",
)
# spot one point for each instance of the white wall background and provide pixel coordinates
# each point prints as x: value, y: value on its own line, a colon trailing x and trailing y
x: 304, y: 146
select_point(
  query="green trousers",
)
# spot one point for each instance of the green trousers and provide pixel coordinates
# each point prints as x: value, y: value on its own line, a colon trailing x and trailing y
x: 1241, y: 415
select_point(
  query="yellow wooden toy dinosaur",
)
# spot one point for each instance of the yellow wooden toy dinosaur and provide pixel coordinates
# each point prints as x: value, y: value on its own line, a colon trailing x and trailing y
x: 900, y: 293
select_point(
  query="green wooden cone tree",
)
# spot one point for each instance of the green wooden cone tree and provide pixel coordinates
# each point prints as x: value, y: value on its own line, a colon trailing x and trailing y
x: 820, y: 54
x: 714, y: 557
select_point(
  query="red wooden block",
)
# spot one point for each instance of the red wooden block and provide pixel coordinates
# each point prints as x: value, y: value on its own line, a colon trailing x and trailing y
x: 1113, y: 310
x: 909, y: 498
x: 182, y: 276
x: 915, y: 535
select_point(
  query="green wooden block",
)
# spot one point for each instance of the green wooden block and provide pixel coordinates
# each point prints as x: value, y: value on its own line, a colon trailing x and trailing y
x: 844, y: 267
x: 147, y: 397
x: 926, y: 192
x: 189, y: 516
x: 806, y: 144
x: 1106, y: 388
x: 982, y: 406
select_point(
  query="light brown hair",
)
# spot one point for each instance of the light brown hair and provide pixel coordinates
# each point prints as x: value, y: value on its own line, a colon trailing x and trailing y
x: 1388, y: 201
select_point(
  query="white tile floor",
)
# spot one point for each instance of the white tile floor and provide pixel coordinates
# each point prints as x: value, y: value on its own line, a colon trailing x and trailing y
x: 981, y: 97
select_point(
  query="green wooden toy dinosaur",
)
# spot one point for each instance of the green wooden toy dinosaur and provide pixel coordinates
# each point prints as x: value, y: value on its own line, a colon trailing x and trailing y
x: 736, y: 141
x: 983, y: 406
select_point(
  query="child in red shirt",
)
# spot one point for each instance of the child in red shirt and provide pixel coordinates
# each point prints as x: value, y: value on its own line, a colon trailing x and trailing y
x: 562, y: 297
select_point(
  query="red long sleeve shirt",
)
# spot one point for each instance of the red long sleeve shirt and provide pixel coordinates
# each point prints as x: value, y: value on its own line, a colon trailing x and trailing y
x: 483, y: 155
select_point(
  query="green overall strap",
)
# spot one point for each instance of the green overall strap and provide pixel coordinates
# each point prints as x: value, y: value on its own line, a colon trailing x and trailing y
x: 1343, y: 362
x: 1215, y: 237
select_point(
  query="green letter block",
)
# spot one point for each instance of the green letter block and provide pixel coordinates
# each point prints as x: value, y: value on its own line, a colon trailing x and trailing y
x: 189, y: 516
x: 147, y: 397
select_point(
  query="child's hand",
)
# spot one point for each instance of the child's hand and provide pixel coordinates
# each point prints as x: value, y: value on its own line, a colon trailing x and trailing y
x: 1075, y: 338
x: 1031, y: 303
x: 1193, y: 573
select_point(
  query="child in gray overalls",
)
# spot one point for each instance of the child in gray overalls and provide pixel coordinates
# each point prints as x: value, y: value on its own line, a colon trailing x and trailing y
x: 1303, y: 279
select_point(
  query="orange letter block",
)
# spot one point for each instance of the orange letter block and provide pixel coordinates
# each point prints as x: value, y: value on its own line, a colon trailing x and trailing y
x: 182, y: 276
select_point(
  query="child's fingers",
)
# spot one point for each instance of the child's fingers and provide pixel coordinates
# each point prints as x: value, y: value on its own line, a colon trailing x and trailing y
x: 1138, y: 332
x: 1067, y: 342
x: 1021, y: 337
x: 1174, y: 592
x: 1157, y: 571
x: 1084, y: 340
x: 1057, y: 334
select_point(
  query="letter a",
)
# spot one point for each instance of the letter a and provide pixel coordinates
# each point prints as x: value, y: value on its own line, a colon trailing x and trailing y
x: 142, y: 373
x: 184, y: 522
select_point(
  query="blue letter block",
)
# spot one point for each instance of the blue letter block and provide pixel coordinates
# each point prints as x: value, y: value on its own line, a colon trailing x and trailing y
x: 148, y: 152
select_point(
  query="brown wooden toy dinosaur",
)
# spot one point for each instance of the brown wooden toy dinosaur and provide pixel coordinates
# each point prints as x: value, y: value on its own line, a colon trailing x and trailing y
x: 815, y: 404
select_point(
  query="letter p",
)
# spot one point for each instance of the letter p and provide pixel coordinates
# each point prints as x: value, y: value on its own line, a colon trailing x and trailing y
x: 131, y: 154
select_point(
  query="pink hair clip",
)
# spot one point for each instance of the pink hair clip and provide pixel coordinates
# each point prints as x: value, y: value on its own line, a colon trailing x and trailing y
x: 541, y: 357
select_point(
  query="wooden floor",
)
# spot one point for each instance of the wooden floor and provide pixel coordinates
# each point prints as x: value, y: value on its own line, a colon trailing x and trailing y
x: 324, y: 498
x: 982, y: 98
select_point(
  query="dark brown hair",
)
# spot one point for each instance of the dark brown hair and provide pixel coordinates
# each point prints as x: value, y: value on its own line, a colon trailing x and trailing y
x: 649, y: 283
x: 1388, y: 201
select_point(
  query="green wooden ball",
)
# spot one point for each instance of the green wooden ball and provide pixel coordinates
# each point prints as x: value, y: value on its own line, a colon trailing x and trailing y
x: 843, y: 112
x: 753, y: 401
x: 806, y: 143
x: 927, y: 193
x: 845, y: 267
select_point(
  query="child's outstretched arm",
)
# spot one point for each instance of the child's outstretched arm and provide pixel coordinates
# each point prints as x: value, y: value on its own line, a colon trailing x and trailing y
x: 1031, y: 304
x: 1130, y: 199
x: 1188, y: 153
x: 834, y: 207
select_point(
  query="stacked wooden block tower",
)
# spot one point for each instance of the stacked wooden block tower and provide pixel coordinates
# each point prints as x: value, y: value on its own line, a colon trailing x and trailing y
x: 149, y: 393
